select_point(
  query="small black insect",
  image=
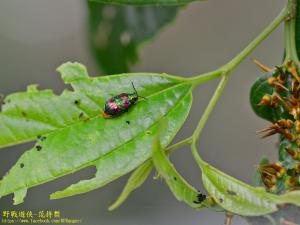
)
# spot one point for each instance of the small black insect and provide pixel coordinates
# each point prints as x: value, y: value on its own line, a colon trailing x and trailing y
x: 128, y: 122
x: 221, y: 200
x: 200, y: 198
x: 38, y: 148
x: 22, y: 165
x: 175, y: 178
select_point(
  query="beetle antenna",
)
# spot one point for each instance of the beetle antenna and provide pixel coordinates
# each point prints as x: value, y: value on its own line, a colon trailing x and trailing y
x: 135, y: 91
x: 142, y: 97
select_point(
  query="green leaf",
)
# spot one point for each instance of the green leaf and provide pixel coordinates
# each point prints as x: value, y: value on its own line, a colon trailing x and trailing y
x: 117, y: 32
x: 145, y: 2
x: 240, y: 198
x: 177, y: 184
x: 137, y: 178
x: 258, y: 90
x: 73, y: 135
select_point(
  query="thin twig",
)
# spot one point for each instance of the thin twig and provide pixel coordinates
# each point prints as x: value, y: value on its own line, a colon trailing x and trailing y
x: 287, y: 222
x: 228, y: 219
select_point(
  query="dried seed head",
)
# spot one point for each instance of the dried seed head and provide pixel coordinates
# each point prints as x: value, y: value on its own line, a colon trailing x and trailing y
x: 298, y: 143
x: 278, y: 98
x: 268, y: 181
x: 293, y: 70
x: 273, y: 129
x: 293, y: 153
x: 266, y: 100
x: 281, y: 171
x: 272, y: 80
x: 295, y: 89
x: 296, y: 113
x: 262, y: 66
x: 285, y: 123
x: 272, y: 169
x: 290, y: 181
x: 282, y: 75
x: 297, y: 167
x: 289, y: 123
x: 293, y: 101
x: 291, y: 137
x: 273, y: 188
x: 280, y: 86
x: 297, y: 127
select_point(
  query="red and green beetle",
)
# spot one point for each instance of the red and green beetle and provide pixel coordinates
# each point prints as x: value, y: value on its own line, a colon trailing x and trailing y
x: 117, y: 105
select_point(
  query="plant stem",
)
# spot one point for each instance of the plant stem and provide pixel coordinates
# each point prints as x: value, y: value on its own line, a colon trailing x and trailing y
x: 290, y: 35
x: 178, y: 145
x: 228, y: 67
x: 205, y: 117
x: 224, y: 72
x: 204, y: 77
x: 210, y: 107
x: 228, y: 219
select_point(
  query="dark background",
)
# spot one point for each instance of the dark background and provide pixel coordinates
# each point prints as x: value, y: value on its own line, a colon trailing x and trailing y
x: 37, y: 36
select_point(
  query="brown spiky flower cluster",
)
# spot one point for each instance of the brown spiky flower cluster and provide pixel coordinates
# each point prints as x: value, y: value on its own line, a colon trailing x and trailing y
x: 285, y: 82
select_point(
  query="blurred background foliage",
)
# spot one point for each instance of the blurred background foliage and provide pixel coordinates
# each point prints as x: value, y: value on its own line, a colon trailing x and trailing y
x: 117, y: 32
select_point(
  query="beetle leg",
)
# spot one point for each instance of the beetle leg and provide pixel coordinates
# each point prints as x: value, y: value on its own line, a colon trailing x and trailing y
x: 105, y: 115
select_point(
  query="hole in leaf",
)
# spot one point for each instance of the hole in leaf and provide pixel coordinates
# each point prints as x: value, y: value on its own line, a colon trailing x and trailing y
x: 83, y: 174
x: 200, y: 198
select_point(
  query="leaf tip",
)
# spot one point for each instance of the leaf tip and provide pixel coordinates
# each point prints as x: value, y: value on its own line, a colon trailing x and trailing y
x: 54, y: 196
x: 32, y: 88
x: 72, y: 71
x: 113, y: 207
x: 19, y: 196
